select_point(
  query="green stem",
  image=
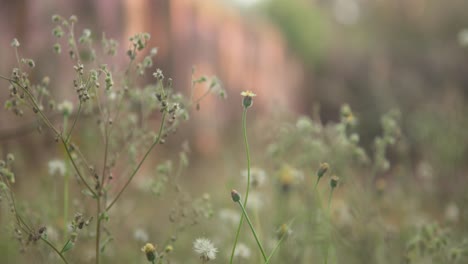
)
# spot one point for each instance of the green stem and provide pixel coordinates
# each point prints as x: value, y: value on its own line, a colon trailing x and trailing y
x: 253, y: 231
x: 275, y: 249
x: 76, y: 167
x: 247, y: 152
x: 158, y: 139
x: 55, y: 249
x: 98, y: 228
x: 65, y: 186
x: 65, y: 202
x: 73, y: 125
x: 327, y: 245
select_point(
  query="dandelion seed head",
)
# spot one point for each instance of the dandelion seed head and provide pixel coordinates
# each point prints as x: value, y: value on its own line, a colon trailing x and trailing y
x: 205, y: 249
x: 57, y: 167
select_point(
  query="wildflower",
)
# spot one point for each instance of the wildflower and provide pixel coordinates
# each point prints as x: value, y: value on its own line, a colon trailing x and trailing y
x: 283, y: 231
x: 288, y: 176
x: 66, y: 107
x: 150, y: 251
x: 257, y: 177
x: 140, y: 235
x: 334, y: 181
x: 205, y: 249
x: 322, y: 169
x: 229, y: 216
x: 242, y: 251
x: 57, y: 167
x: 235, y: 196
x: 158, y: 74
x: 256, y: 200
x: 169, y: 249
x: 15, y: 43
x: 248, y: 98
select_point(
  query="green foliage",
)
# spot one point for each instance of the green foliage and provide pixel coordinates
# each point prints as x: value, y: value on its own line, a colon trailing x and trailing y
x: 303, y: 25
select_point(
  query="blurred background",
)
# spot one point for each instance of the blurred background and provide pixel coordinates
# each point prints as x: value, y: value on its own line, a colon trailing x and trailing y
x: 296, y: 55
x: 301, y: 57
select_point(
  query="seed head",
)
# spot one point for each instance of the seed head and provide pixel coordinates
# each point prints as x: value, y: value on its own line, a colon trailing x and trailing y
x: 205, y: 249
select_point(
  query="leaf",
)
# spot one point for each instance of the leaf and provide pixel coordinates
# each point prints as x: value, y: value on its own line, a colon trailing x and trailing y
x: 104, y: 216
x: 104, y: 244
x: 88, y: 193
x: 69, y: 245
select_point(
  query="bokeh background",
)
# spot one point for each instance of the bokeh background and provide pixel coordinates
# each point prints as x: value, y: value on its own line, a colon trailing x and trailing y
x: 301, y: 57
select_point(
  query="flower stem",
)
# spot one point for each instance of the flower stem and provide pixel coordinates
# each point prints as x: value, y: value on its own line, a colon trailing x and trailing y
x: 327, y: 245
x: 253, y: 231
x: 247, y: 154
x: 55, y: 249
x: 156, y: 141
x: 65, y: 187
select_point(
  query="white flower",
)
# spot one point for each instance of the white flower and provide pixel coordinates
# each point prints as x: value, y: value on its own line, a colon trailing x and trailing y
x: 205, y: 249
x: 112, y: 96
x: 57, y: 167
x: 257, y: 176
x: 242, y: 251
x: 255, y: 201
x: 229, y: 216
x: 140, y: 235
x: 66, y: 107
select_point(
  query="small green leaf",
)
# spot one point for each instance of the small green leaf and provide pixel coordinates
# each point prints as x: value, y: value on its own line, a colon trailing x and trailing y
x: 104, y: 244
x: 69, y: 245
x: 88, y: 193
x: 104, y: 216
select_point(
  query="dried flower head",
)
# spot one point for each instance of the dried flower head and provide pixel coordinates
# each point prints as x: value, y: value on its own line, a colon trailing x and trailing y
x: 150, y: 251
x: 334, y: 181
x: 205, y: 249
x: 322, y: 169
x: 248, y: 98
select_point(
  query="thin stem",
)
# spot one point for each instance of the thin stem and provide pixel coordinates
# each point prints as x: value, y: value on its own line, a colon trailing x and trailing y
x: 201, y: 97
x: 275, y: 249
x: 21, y: 223
x: 74, y: 123
x: 98, y: 228
x: 253, y: 231
x: 329, y: 199
x: 55, y: 249
x: 65, y: 202
x: 327, y: 245
x: 158, y: 139
x: 31, y: 97
x: 247, y: 153
x: 76, y: 167
x: 65, y: 186
x: 316, y: 184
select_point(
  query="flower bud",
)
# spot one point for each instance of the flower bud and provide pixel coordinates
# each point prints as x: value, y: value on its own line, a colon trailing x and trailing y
x: 322, y: 169
x: 235, y: 196
x: 334, y: 181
